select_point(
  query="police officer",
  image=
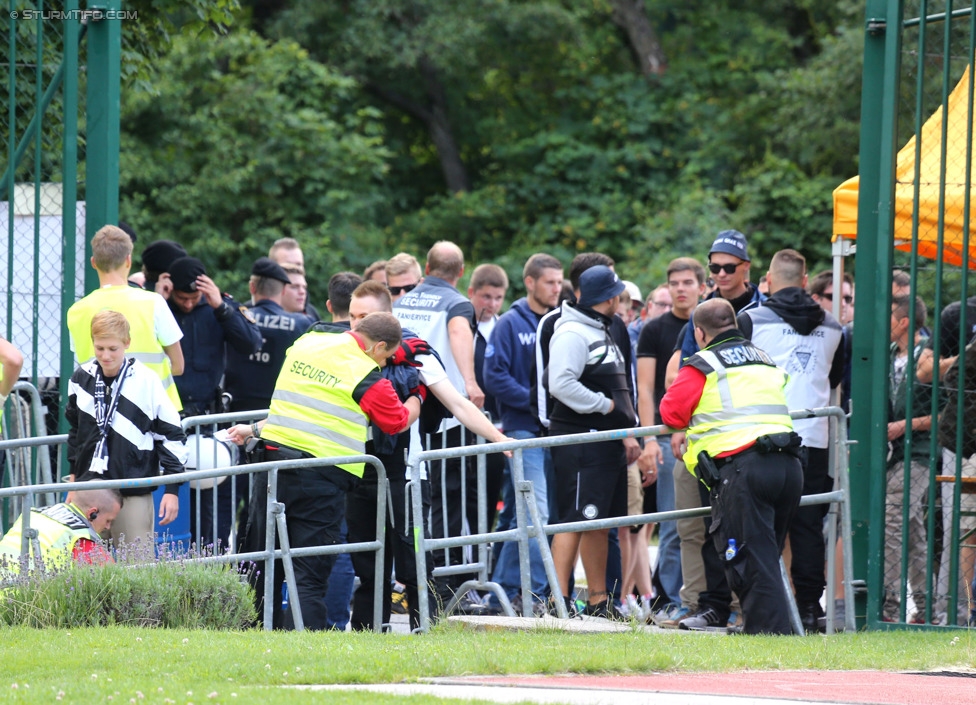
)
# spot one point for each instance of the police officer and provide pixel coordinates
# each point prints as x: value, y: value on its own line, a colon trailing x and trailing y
x: 209, y: 321
x: 329, y: 390
x: 250, y: 378
x: 730, y: 396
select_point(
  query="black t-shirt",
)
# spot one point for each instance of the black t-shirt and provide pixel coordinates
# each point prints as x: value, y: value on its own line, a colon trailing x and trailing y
x: 657, y: 339
x: 681, y: 338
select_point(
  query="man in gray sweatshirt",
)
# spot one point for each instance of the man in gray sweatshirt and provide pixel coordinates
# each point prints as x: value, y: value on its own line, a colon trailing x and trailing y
x: 588, y: 379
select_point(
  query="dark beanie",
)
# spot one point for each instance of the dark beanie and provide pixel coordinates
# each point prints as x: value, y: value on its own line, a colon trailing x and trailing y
x: 159, y: 255
x: 184, y: 272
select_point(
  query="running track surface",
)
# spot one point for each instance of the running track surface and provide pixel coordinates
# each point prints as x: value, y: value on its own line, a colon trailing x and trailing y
x: 805, y: 686
x: 743, y: 688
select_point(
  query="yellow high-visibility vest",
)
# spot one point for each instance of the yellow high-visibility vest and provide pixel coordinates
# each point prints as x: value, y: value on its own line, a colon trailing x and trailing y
x: 59, y: 528
x: 139, y: 308
x: 312, y: 408
x: 743, y: 399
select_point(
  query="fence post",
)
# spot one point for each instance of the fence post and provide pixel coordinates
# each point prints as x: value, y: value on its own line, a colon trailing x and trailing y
x: 882, y: 61
x: 102, y: 110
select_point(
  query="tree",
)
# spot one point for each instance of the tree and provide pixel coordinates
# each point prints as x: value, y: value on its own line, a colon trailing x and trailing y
x: 246, y: 141
x: 420, y: 57
x: 631, y: 16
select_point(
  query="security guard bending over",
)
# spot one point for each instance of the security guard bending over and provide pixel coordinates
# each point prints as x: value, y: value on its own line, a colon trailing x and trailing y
x: 66, y: 532
x: 741, y: 444
x: 329, y: 390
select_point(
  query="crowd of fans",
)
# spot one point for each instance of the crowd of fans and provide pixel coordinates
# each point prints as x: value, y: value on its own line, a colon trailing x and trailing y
x: 581, y: 351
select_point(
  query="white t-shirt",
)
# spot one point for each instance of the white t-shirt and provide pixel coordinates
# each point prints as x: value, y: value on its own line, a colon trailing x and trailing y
x: 431, y: 373
x: 168, y: 331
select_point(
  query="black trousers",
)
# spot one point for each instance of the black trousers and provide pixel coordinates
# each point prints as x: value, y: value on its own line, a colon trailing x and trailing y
x: 459, y: 506
x: 361, y: 523
x: 315, y: 503
x: 806, y: 530
x: 753, y: 503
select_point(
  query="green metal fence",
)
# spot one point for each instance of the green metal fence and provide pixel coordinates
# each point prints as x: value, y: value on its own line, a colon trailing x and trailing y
x: 913, y: 430
x: 59, y: 126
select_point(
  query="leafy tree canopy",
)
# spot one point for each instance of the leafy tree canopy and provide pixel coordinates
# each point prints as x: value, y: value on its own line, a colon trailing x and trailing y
x: 245, y: 141
x: 364, y: 127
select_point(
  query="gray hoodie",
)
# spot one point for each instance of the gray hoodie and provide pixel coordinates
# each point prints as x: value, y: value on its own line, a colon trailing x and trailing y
x: 586, y: 371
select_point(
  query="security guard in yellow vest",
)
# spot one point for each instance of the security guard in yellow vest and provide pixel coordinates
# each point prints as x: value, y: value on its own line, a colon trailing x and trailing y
x: 155, y: 333
x: 328, y: 392
x: 741, y: 445
x: 65, y: 532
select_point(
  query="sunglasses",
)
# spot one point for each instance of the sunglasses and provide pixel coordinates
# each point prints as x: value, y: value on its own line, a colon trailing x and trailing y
x: 397, y: 290
x: 727, y: 268
x: 847, y: 299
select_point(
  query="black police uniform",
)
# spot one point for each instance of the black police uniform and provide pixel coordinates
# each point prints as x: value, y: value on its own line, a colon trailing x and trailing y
x: 206, y: 334
x: 250, y: 377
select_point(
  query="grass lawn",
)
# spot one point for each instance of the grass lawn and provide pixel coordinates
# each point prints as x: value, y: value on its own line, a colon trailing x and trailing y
x: 123, y: 664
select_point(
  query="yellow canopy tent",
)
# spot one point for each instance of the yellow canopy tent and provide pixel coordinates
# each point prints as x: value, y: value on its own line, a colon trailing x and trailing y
x: 960, y: 106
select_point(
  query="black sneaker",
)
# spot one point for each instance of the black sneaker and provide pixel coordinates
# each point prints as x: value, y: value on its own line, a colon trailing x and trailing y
x: 812, y: 617
x: 705, y: 619
x: 604, y: 610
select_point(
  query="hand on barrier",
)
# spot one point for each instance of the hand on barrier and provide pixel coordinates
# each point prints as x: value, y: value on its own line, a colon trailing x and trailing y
x: 240, y: 433
x: 407, y: 353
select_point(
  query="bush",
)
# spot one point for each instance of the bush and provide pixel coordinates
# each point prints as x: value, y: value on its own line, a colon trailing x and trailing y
x: 175, y: 593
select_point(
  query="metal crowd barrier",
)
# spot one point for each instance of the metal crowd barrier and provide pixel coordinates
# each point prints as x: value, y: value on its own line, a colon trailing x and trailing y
x: 276, y: 521
x: 197, y: 427
x: 526, y: 508
x: 471, y: 562
x: 24, y: 418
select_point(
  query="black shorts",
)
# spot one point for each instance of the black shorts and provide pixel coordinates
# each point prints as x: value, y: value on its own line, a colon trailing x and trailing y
x: 591, y: 480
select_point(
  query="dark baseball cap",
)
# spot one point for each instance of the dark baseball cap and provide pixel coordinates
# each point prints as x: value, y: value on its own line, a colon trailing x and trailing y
x: 730, y: 242
x: 267, y: 267
x: 599, y: 284
x: 184, y: 272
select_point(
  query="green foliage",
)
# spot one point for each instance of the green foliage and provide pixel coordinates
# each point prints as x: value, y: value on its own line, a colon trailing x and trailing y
x: 147, y: 39
x: 169, y: 593
x: 39, y: 53
x: 566, y: 147
x: 244, y: 142
x: 784, y: 208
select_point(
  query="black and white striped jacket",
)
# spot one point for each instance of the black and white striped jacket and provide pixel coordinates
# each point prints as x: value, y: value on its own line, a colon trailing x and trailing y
x: 144, y: 435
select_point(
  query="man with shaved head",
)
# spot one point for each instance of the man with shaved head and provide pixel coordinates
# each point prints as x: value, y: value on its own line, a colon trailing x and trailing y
x: 741, y: 446
x: 440, y: 314
x: 804, y: 340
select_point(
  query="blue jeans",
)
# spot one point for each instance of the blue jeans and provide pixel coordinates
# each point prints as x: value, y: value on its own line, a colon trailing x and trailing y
x: 338, y: 595
x: 506, y: 517
x: 507, y: 573
x: 669, y: 545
